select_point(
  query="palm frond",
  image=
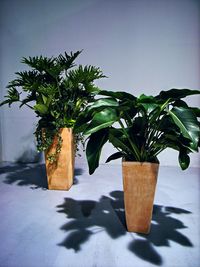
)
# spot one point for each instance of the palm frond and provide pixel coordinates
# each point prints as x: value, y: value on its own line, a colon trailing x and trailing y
x: 85, y: 75
x: 29, y: 98
x: 66, y: 61
x: 39, y: 63
x: 28, y: 80
x: 48, y: 89
x: 12, y: 96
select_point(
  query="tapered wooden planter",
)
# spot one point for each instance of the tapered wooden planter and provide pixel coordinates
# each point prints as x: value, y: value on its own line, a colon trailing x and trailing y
x: 139, y: 181
x: 61, y: 172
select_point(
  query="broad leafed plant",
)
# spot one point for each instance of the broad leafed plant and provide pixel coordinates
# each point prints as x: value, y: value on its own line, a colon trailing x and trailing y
x: 140, y: 128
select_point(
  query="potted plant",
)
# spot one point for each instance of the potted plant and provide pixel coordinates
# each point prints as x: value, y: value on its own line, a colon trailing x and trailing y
x: 57, y: 93
x: 140, y: 128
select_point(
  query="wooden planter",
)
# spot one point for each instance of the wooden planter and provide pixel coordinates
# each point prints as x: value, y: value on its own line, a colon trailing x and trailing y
x: 61, y: 172
x: 139, y: 181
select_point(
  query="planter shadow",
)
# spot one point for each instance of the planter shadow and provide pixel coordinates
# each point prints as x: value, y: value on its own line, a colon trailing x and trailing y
x: 164, y: 229
x: 88, y: 218
x: 33, y: 175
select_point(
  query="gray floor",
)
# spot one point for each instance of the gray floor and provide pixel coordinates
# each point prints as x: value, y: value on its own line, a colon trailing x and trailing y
x: 85, y: 226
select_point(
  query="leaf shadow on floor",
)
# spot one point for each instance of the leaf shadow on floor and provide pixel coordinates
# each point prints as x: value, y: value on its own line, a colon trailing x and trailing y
x: 33, y: 175
x: 89, y: 217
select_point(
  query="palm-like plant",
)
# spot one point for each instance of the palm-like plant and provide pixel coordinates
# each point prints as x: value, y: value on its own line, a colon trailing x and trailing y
x: 55, y: 91
x: 141, y: 127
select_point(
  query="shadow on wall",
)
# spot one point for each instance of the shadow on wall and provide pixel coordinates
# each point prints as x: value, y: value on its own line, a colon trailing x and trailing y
x: 30, y: 156
x: 90, y: 217
x: 28, y: 152
x: 33, y: 175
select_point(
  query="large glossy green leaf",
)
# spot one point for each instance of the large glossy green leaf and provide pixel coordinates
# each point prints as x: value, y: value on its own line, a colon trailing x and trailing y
x: 119, y: 141
x: 139, y: 126
x: 96, y: 108
x: 94, y: 147
x: 102, y: 119
x: 173, y: 140
x: 175, y: 94
x: 82, y: 122
x: 149, y: 107
x: 184, y: 159
x: 149, y: 103
x: 185, y: 119
x: 196, y: 111
x: 114, y: 156
x: 119, y: 95
x: 146, y: 99
x: 103, y: 102
x: 180, y: 103
x: 127, y: 109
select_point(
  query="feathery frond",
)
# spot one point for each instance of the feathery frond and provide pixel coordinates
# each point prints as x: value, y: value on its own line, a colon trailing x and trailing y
x: 12, y: 96
x: 56, y: 93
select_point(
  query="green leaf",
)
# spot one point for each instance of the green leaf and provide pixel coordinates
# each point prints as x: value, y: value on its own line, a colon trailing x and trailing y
x: 117, y: 139
x: 97, y: 106
x: 176, y: 94
x: 180, y: 103
x: 39, y: 63
x: 184, y: 159
x: 28, y: 99
x: 102, y: 119
x: 114, y: 156
x: 119, y: 95
x: 146, y: 99
x: 196, y: 111
x: 173, y: 140
x: 82, y: 122
x: 66, y: 61
x: 149, y: 107
x: 85, y: 75
x: 44, y: 99
x: 103, y: 102
x: 6, y: 102
x: 149, y: 103
x: 185, y: 119
x: 94, y: 147
x: 92, y: 89
x: 41, y: 108
x: 13, y: 96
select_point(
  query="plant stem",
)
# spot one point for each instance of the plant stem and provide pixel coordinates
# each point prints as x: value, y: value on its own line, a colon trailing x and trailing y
x: 135, y: 149
x: 27, y: 105
x: 157, y: 123
x: 160, y: 150
x: 128, y: 119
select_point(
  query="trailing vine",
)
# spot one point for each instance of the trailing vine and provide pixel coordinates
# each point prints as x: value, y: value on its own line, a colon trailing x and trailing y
x: 45, y: 138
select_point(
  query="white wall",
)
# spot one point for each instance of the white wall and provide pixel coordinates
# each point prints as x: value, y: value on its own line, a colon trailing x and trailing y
x: 144, y: 46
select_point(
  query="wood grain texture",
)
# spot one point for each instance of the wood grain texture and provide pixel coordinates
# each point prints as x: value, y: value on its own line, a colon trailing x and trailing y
x: 139, y: 181
x: 60, y: 173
